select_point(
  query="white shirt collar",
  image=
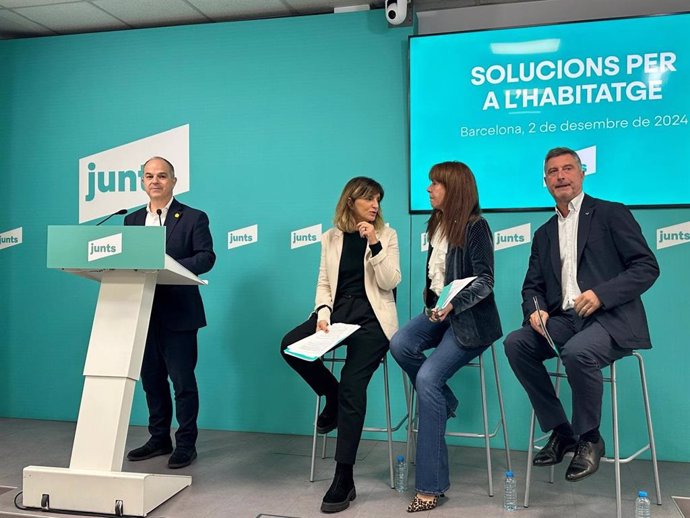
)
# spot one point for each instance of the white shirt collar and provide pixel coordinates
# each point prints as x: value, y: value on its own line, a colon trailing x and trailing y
x: 164, y: 209
x: 573, y: 205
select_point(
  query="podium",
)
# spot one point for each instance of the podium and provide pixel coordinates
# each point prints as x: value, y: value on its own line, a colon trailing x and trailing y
x: 128, y: 261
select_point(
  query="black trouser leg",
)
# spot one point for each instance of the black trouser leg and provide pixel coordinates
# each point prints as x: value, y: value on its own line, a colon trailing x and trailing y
x: 180, y: 354
x: 315, y: 373
x: 584, y: 355
x: 526, y: 351
x: 154, y: 380
x: 365, y: 348
x: 174, y: 354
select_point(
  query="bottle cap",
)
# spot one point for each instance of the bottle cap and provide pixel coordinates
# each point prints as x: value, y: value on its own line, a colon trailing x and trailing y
x: 642, y: 494
x: 509, y: 474
x: 401, y: 458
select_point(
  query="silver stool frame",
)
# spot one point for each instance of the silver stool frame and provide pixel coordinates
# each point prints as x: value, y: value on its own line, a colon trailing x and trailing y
x: 486, y: 435
x: 616, y: 460
x: 332, y: 359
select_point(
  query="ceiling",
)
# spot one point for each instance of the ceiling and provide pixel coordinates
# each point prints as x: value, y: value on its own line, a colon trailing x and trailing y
x: 33, y: 18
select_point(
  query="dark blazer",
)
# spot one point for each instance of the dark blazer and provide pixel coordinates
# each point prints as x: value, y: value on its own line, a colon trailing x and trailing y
x: 188, y: 241
x: 613, y: 260
x: 475, y: 321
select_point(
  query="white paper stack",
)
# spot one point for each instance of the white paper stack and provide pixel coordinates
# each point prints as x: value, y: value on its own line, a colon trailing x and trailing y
x: 318, y: 344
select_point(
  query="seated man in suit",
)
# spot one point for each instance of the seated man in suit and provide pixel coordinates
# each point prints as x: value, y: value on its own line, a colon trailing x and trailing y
x: 588, y: 267
x: 176, y: 316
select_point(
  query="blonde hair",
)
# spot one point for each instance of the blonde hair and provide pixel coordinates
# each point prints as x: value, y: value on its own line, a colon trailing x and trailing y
x: 356, y: 188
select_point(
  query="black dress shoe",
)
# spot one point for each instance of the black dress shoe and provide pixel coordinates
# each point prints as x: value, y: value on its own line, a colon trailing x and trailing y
x: 182, y: 457
x: 554, y: 450
x: 148, y: 451
x: 327, y: 420
x: 339, y: 495
x: 586, y: 460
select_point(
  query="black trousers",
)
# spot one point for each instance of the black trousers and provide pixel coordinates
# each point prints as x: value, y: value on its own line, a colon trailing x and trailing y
x: 171, y: 354
x: 585, y: 348
x: 365, y: 349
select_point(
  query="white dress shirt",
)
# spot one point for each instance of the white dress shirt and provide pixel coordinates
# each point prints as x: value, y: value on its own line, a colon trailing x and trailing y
x: 437, y: 262
x: 567, y: 243
x: 152, y: 219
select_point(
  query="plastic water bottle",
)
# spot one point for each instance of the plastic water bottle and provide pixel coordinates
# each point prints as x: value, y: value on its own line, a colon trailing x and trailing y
x: 510, y: 493
x: 642, y: 505
x: 401, y: 474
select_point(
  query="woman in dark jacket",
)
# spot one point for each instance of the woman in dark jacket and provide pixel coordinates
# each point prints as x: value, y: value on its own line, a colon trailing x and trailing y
x: 460, y: 246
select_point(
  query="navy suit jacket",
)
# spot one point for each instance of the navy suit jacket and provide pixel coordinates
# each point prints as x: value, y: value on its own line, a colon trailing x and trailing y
x: 613, y: 260
x: 188, y: 241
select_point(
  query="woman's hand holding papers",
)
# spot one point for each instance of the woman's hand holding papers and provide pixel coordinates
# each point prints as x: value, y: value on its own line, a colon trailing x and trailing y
x: 439, y: 315
x: 322, y: 325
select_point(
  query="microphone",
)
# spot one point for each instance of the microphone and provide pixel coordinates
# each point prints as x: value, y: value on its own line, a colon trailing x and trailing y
x: 159, y: 212
x: 118, y: 213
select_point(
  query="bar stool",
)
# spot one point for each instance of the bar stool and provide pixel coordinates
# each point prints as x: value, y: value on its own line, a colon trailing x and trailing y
x: 616, y: 460
x: 485, y: 434
x: 388, y: 430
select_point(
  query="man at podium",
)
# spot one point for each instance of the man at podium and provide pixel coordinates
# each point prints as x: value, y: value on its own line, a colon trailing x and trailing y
x: 176, y: 316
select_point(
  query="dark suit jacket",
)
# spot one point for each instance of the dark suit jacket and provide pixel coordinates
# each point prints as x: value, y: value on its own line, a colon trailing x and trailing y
x: 188, y: 241
x: 613, y: 260
x: 474, y: 320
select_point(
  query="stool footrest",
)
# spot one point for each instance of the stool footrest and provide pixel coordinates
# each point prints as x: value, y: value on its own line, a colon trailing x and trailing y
x: 627, y: 459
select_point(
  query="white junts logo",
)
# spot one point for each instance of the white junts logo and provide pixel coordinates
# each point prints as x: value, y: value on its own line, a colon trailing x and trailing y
x: 674, y: 235
x: 11, y: 238
x: 305, y: 236
x: 111, y: 180
x: 243, y: 236
x: 104, y: 247
x: 513, y: 236
x: 588, y: 157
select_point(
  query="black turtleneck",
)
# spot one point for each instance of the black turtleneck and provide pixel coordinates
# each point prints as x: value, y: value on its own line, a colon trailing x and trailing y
x: 351, y: 270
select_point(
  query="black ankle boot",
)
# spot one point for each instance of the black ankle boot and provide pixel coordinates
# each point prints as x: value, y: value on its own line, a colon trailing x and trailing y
x: 341, y: 492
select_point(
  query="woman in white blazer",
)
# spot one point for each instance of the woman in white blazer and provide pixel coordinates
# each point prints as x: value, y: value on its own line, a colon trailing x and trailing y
x: 360, y: 268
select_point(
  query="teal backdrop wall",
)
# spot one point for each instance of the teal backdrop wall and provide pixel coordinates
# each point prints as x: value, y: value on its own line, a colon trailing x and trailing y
x: 281, y: 113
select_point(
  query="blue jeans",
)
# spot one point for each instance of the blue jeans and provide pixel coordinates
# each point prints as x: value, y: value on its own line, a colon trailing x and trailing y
x: 436, y: 400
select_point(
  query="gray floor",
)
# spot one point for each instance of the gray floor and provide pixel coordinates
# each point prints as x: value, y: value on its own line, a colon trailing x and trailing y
x: 252, y: 475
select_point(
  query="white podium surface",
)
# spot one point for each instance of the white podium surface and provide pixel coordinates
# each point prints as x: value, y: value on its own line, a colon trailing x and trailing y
x: 94, y: 481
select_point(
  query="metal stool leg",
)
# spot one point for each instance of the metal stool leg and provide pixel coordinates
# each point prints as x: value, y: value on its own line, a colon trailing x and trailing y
x: 389, y: 428
x: 650, y: 428
x: 410, y: 448
x: 501, y: 408
x: 324, y: 442
x: 559, y: 364
x: 409, y: 390
x: 485, y: 416
x: 314, y: 439
x: 323, y: 445
x: 530, y: 456
x: 531, y: 445
x: 616, y: 446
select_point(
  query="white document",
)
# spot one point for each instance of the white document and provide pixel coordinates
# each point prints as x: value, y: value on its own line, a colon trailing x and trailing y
x: 543, y: 326
x: 451, y: 290
x: 318, y: 344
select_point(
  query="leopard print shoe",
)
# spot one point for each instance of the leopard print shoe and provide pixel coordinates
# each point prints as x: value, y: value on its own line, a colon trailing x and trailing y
x: 418, y: 504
